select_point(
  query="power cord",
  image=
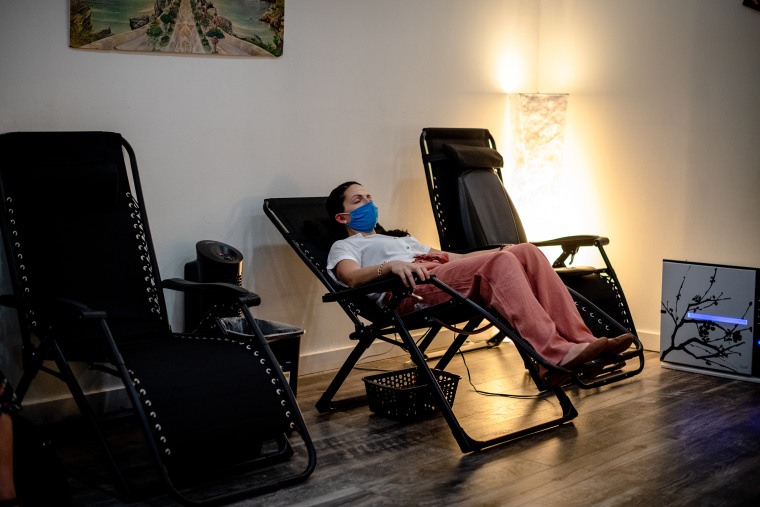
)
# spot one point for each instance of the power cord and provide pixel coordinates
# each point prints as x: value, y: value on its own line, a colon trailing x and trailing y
x: 366, y: 358
x: 503, y: 395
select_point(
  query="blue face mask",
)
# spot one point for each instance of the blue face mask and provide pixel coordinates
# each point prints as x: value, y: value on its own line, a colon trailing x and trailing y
x: 364, y: 218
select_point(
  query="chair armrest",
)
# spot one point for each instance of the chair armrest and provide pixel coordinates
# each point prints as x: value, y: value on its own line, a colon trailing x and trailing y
x: 387, y: 283
x: 568, y: 243
x: 214, y: 289
x: 572, y: 242
x: 570, y: 246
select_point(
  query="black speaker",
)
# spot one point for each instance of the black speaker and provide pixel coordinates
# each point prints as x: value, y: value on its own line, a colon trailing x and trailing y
x: 218, y: 262
x: 215, y: 262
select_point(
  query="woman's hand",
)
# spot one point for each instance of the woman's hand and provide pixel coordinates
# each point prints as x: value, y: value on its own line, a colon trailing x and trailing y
x: 349, y: 272
x: 406, y: 271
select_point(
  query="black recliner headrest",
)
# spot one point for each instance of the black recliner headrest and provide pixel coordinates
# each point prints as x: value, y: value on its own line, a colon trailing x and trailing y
x: 473, y: 156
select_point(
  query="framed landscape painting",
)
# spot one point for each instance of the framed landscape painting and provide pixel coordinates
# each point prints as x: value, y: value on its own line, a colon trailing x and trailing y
x: 247, y: 28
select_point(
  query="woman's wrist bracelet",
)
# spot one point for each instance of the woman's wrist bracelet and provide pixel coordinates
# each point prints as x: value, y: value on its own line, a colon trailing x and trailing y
x: 380, y: 268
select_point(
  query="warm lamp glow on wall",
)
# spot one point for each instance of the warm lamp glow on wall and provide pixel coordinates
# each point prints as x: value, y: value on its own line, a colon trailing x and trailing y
x: 536, y: 133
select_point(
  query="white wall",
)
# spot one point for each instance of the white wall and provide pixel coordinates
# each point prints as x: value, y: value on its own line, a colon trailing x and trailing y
x: 215, y: 136
x: 661, y: 121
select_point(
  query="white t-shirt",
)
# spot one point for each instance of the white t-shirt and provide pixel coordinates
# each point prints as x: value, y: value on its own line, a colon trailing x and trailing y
x: 374, y: 249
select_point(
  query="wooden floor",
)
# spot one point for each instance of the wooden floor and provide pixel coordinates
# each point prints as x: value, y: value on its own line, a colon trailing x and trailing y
x: 662, y: 438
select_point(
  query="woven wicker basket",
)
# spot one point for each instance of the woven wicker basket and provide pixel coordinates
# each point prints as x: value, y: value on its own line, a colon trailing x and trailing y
x: 400, y: 395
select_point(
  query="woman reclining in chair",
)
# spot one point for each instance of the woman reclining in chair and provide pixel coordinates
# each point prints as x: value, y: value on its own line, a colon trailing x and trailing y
x: 516, y: 280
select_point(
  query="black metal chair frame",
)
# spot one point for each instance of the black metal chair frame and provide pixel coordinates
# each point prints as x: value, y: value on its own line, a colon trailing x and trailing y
x: 310, y: 239
x: 56, y: 328
x: 450, y: 228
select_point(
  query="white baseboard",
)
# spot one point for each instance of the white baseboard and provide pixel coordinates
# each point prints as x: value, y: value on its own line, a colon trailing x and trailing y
x: 333, y: 359
x: 50, y: 410
x: 650, y: 340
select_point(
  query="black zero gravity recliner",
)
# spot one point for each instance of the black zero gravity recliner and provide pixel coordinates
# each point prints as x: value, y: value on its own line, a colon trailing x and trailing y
x: 304, y: 225
x: 472, y: 210
x: 219, y: 418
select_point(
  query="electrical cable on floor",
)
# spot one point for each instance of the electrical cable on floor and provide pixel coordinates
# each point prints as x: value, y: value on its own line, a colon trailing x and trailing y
x: 503, y: 395
x: 469, y: 376
x: 365, y: 358
x: 384, y: 370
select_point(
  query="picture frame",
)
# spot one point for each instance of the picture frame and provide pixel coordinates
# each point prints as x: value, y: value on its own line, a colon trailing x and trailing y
x: 192, y: 27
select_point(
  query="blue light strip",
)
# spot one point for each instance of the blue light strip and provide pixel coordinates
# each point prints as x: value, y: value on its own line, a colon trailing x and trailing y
x: 716, y: 318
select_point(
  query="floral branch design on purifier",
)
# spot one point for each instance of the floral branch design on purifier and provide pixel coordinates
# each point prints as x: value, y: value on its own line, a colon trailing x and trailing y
x: 709, y: 341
